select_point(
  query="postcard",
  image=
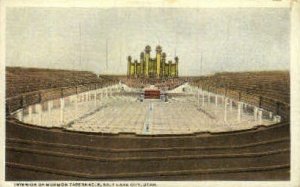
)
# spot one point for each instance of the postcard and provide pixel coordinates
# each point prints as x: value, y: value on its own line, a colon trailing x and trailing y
x: 142, y: 93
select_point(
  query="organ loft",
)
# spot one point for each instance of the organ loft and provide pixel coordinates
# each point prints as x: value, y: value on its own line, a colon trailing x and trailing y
x: 156, y: 67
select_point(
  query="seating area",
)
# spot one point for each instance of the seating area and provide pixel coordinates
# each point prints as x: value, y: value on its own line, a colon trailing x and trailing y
x: 35, y: 153
x: 271, y: 84
x: 93, y: 149
x: 23, y: 80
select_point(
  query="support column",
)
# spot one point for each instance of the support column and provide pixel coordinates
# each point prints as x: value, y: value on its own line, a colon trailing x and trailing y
x: 20, y: 115
x: 30, y: 114
x: 38, y: 108
x: 49, y: 107
x: 277, y: 119
x: 260, y: 116
x: 225, y: 109
x: 198, y: 96
x: 203, y: 92
x: 106, y: 92
x: 216, y: 99
x: 62, y: 107
x: 270, y: 115
x: 208, y: 99
x: 255, y: 112
x: 76, y: 106
x: 240, y: 105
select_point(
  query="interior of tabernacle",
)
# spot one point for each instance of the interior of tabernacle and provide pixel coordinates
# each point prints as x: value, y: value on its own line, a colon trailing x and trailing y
x: 66, y: 125
x: 113, y: 109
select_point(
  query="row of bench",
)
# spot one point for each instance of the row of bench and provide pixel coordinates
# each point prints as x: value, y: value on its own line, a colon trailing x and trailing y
x: 274, y: 84
x: 35, y: 153
x: 22, y: 80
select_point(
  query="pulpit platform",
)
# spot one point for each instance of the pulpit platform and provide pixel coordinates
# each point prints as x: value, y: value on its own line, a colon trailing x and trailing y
x: 151, y: 94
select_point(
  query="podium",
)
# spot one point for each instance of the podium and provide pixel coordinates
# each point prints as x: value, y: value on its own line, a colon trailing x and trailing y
x: 152, y: 94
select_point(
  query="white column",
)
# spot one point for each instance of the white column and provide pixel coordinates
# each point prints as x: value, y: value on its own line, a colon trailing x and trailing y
x: 270, y: 115
x: 38, y: 108
x: 203, y: 92
x: 230, y: 104
x: 198, y: 95
x: 240, y: 105
x: 49, y: 107
x: 216, y: 99
x: 106, y: 92
x: 255, y: 112
x: 277, y: 119
x: 260, y: 116
x: 30, y: 114
x: 62, y: 106
x: 76, y: 106
x: 208, y: 99
x: 20, y: 115
x: 225, y: 109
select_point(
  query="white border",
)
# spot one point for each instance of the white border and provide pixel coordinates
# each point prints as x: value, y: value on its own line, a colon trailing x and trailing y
x: 294, y: 69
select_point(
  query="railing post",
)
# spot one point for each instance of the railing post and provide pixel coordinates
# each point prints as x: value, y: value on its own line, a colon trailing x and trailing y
x: 225, y: 108
x: 49, y: 108
x: 260, y: 116
x: 62, y: 106
x: 240, y: 104
x: 30, y: 114
x: 20, y: 114
x: 255, y: 110
x: 38, y: 108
